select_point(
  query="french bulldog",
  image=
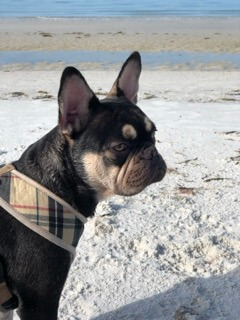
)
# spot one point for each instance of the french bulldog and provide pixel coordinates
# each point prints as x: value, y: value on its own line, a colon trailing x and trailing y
x: 99, y: 148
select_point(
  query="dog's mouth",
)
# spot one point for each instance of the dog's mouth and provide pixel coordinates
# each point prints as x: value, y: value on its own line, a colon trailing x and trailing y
x: 139, y: 171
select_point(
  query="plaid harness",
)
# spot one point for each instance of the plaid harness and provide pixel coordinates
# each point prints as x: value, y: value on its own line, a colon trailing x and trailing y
x: 39, y: 209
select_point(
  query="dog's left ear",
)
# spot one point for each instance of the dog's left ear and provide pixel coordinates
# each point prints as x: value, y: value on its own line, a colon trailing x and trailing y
x: 74, y: 99
x: 127, y: 80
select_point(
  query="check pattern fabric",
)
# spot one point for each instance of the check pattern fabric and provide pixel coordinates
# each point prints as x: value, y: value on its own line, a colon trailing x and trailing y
x: 34, y: 203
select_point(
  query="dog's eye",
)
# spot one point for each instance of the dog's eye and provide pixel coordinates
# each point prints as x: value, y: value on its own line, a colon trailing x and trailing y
x: 120, y: 147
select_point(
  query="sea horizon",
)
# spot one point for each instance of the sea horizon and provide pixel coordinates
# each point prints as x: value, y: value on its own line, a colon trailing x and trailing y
x: 110, y: 8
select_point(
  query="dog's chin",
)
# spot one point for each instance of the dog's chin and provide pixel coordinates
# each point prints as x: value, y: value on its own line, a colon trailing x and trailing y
x: 129, y: 191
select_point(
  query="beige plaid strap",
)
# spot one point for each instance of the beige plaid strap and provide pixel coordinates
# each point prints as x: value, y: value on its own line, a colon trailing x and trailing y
x: 6, y: 168
x: 50, y: 194
x: 20, y: 217
x: 34, y: 227
x: 10, y: 167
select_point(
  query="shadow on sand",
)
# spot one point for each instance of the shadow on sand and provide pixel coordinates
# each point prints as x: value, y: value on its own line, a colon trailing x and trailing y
x: 213, y: 298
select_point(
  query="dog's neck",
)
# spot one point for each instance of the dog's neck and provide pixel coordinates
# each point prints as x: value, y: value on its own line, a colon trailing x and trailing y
x: 48, y: 162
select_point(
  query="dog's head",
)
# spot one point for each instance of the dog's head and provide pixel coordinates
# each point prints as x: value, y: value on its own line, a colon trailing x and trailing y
x: 111, y: 141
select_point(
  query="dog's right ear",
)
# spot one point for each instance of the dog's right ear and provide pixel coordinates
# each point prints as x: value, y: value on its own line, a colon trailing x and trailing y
x: 74, y: 99
x: 128, y: 78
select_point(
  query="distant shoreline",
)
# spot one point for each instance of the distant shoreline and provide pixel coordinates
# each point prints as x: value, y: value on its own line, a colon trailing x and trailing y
x: 137, y: 17
x: 164, y: 16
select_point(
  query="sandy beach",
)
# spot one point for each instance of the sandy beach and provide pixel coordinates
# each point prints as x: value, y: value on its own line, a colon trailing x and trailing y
x: 173, y: 251
x: 109, y: 34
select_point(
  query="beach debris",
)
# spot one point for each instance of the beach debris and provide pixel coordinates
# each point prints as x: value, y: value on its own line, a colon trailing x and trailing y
x: 43, y: 95
x: 18, y: 94
x: 172, y: 171
x: 228, y: 99
x: 3, y: 152
x: 216, y: 179
x: 237, y: 91
x: 149, y: 96
x: 236, y: 158
x: 77, y: 33
x: 230, y: 135
x: 186, y: 191
x: 42, y: 92
x: 234, y: 93
x: 233, y: 132
x: 188, y: 160
x: 45, y: 34
x: 119, y: 32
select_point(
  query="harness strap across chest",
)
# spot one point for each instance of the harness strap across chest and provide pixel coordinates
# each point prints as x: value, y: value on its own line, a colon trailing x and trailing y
x: 39, y: 209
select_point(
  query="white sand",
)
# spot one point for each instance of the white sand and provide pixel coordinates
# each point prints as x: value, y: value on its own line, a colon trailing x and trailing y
x: 174, y: 249
x: 189, y: 86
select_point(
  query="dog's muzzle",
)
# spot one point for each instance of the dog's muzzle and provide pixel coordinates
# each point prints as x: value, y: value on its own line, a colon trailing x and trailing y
x: 141, y: 169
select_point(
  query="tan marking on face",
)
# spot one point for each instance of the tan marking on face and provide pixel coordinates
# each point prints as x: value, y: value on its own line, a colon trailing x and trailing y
x: 129, y: 132
x: 100, y: 177
x: 148, y: 124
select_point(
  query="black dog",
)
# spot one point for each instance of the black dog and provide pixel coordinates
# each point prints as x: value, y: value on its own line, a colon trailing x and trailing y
x: 98, y: 149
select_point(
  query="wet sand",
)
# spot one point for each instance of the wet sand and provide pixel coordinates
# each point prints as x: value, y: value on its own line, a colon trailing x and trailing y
x: 110, y: 34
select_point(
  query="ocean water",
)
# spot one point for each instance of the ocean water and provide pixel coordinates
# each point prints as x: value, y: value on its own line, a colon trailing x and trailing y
x: 106, y: 59
x: 118, y: 8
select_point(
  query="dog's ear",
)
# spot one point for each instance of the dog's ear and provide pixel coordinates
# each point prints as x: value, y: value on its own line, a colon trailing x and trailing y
x: 74, y: 99
x: 127, y: 80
